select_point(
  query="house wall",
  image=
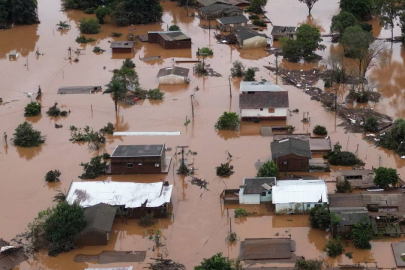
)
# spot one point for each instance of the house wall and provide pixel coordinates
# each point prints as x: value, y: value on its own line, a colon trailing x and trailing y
x: 280, y: 113
x: 294, y: 163
x: 176, y: 44
x: 141, y: 165
x: 172, y: 79
x: 292, y: 36
x: 153, y: 37
x: 229, y: 27
x: 294, y: 208
x: 249, y: 198
x: 122, y: 50
x: 92, y: 237
x: 254, y: 42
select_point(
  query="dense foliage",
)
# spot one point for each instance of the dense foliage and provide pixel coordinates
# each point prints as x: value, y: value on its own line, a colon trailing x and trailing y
x: 320, y: 130
x: 52, y: 176
x: 341, y: 21
x: 249, y: 75
x: 238, y: 69
x: 342, y: 187
x: 256, y: 6
x: 228, y: 121
x: 89, y: 26
x: 240, y: 212
x: 147, y: 220
x: 117, y: 89
x: 319, y: 217
x: 83, y: 39
x: 303, y: 264
x: 174, y: 28
x: 18, y: 12
x: 393, y: 138
x: 55, y: 111
x: 216, y: 262
x: 356, y: 41
x: 384, y: 177
x: 371, y: 124
x: 360, y: 8
x: 310, y: 4
x: 128, y: 63
x: 334, y: 247
x: 342, y: 158
x: 101, y: 13
x: 224, y: 170
x: 259, y: 23
x: 205, y: 51
x: 32, y: 109
x: 108, y: 129
x: 94, y: 168
x: 268, y: 169
x: 26, y: 136
x: 155, y: 94
x: 362, y: 233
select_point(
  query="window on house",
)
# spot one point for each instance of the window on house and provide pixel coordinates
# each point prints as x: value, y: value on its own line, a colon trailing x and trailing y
x: 285, y: 162
x: 271, y: 110
x: 269, y: 192
x: 130, y: 165
x: 261, y: 109
x: 264, y: 193
x: 157, y: 165
x: 139, y: 164
x: 308, y: 205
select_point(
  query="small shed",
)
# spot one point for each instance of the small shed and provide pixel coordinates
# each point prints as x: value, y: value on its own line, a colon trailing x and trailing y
x: 249, y: 39
x: 205, y: 3
x: 170, y: 39
x: 291, y: 155
x: 266, y: 249
x: 348, y: 216
x: 256, y: 190
x: 229, y: 23
x: 284, y: 31
x: 139, y: 159
x: 357, y: 178
x: 99, y: 220
x: 173, y: 75
x: 260, y: 105
x: 10, y: 256
x: 299, y: 196
x: 122, y: 46
x: 316, y: 144
x: 219, y: 10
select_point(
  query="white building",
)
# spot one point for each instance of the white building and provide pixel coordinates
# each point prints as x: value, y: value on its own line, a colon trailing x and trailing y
x: 263, y: 101
x: 173, y: 75
x: 298, y: 196
x: 256, y: 190
x: 249, y: 39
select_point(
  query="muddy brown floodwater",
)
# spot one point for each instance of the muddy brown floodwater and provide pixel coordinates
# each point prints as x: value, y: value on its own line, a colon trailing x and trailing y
x: 200, y: 223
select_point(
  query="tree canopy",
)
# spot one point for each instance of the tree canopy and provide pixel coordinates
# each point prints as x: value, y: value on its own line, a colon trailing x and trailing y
x: 26, y: 136
x: 393, y: 138
x: 319, y: 217
x: 18, y: 12
x: 362, y: 233
x: 360, y: 8
x: 129, y: 12
x: 249, y: 75
x: 341, y: 21
x: 310, y: 4
x: 89, y: 26
x: 228, y: 121
x: 268, y: 169
x: 215, y: 262
x: 257, y: 6
x: 385, y: 177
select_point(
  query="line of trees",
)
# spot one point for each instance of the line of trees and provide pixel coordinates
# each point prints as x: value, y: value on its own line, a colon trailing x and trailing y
x: 18, y: 12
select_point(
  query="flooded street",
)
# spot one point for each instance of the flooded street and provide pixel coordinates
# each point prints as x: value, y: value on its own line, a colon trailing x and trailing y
x: 200, y: 222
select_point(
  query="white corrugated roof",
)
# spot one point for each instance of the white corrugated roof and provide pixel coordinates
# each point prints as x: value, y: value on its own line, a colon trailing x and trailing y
x: 132, y: 195
x: 300, y: 191
x: 259, y: 87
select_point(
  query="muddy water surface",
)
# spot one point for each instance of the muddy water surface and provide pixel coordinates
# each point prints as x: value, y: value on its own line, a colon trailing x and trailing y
x: 200, y: 223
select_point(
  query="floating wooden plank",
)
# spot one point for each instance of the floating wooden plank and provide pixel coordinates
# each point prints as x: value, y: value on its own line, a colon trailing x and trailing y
x: 170, y: 133
x: 78, y: 90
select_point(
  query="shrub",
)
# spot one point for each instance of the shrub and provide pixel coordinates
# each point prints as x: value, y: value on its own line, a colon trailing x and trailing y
x: 147, y: 220
x: 32, y: 109
x: 216, y: 262
x: 94, y: 168
x: 89, y: 26
x: 371, y: 124
x: 334, y: 247
x: 174, y: 28
x: 232, y: 237
x: 83, y: 39
x: 26, y: 136
x: 128, y: 63
x: 240, y: 212
x: 359, y: 96
x: 254, y: 17
x: 116, y: 34
x: 91, y: 10
x: 55, y: 111
x: 98, y: 49
x: 303, y: 264
x: 259, y: 23
x: 155, y: 94
x: 224, y: 170
x: 238, y: 69
x: 52, y: 176
x: 342, y: 158
x: 199, y: 68
x: 205, y: 51
x: 320, y: 130
x: 362, y: 233
x: 385, y: 177
x: 393, y: 138
x: 108, y: 129
x: 342, y: 187
x: 106, y: 156
x: 249, y: 75
x: 268, y: 169
x: 319, y: 217
x: 228, y: 121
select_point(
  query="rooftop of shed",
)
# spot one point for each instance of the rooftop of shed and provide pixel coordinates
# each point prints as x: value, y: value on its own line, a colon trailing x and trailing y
x: 122, y: 44
x: 258, y: 184
x: 179, y: 71
x: 290, y: 146
x: 264, y: 100
x: 283, y: 30
x: 232, y: 20
x: 355, y: 172
x: 138, y: 150
x: 265, y: 248
x: 172, y: 35
x: 349, y: 215
x: 300, y: 191
x: 100, y: 217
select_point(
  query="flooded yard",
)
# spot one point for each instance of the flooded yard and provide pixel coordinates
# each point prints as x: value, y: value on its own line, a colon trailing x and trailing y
x: 200, y: 222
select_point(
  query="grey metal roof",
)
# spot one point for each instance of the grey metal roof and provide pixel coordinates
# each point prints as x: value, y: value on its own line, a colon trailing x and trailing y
x: 350, y: 215
x: 122, y: 44
x: 138, y: 150
x: 100, y: 217
x: 283, y: 30
x: 245, y: 33
x: 173, y: 35
x: 237, y: 2
x: 179, y: 71
x: 264, y: 100
x: 265, y: 248
x: 290, y: 146
x: 259, y: 86
x: 77, y: 89
x: 209, y: 2
x: 255, y: 185
x: 232, y: 20
x: 219, y: 8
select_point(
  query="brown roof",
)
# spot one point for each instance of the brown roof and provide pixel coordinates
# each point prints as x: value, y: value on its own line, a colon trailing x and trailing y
x: 345, y: 200
x: 264, y: 100
x: 265, y: 248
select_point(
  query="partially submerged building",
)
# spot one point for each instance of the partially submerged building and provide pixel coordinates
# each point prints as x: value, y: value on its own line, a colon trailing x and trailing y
x: 348, y: 216
x: 249, y: 39
x: 284, y: 31
x: 99, y: 220
x: 139, y: 159
x: 134, y: 200
x: 256, y: 190
x: 170, y: 39
x: 214, y: 11
x: 266, y: 249
x: 291, y: 155
x: 67, y: 90
x: 173, y: 75
x: 229, y: 23
x: 361, y: 179
x: 298, y: 196
x: 122, y: 46
x: 10, y: 256
x: 205, y: 3
x: 316, y: 144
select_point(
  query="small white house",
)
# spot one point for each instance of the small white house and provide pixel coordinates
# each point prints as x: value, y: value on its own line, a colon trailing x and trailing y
x: 173, y: 75
x: 256, y: 190
x: 299, y: 196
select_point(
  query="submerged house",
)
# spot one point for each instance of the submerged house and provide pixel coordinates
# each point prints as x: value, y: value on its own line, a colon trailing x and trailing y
x: 291, y: 155
x: 122, y: 46
x: 173, y: 75
x: 266, y: 249
x: 170, y: 39
x: 205, y: 3
x: 134, y: 200
x: 298, y: 196
x: 139, y: 159
x: 214, y: 11
x: 348, y: 216
x: 229, y: 23
x: 256, y: 190
x: 249, y: 39
x: 357, y: 178
x: 99, y: 220
x: 284, y: 31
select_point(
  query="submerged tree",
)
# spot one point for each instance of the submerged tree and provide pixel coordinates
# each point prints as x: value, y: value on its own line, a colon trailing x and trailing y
x: 89, y: 26
x: 26, y: 136
x: 128, y: 12
x: 310, y: 4
x: 388, y: 14
x: 334, y: 247
x: 319, y: 217
x: 257, y: 6
x: 362, y: 233
x: 32, y: 109
x: 249, y: 75
x: 360, y: 8
x: 63, y: 25
x: 116, y: 89
x: 174, y: 28
x: 268, y: 169
x: 228, y: 121
x: 341, y: 21
x: 94, y: 168
x: 238, y: 69
x: 215, y: 262
x: 384, y: 177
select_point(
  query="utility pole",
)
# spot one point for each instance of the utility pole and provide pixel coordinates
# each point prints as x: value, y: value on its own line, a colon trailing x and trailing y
x: 276, y: 63
x: 192, y: 104
x: 182, y: 152
x: 230, y: 90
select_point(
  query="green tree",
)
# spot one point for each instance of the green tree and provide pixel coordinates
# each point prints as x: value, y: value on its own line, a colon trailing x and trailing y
x: 64, y: 222
x: 89, y: 26
x: 63, y: 25
x: 228, y: 121
x: 388, y: 14
x: 371, y: 124
x: 341, y: 158
x: 101, y: 13
x: 257, y: 6
x: 32, y: 109
x: 117, y: 89
x: 216, y: 262
x: 394, y: 137
x: 334, y: 247
x: 303, y: 264
x: 94, y: 168
x: 128, y: 77
x: 238, y: 69
x: 268, y: 169
x: 310, y: 4
x: 4, y: 13
x: 26, y: 136
x: 128, y: 63
x: 319, y: 217
x: 401, y: 19
x: 249, y: 75
x: 309, y: 38
x: 320, y: 130
x: 341, y: 21
x: 137, y: 12
x: 359, y: 8
x: 291, y: 50
x: 385, y: 177
x: 174, y: 28
x: 24, y: 11
x: 362, y: 233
